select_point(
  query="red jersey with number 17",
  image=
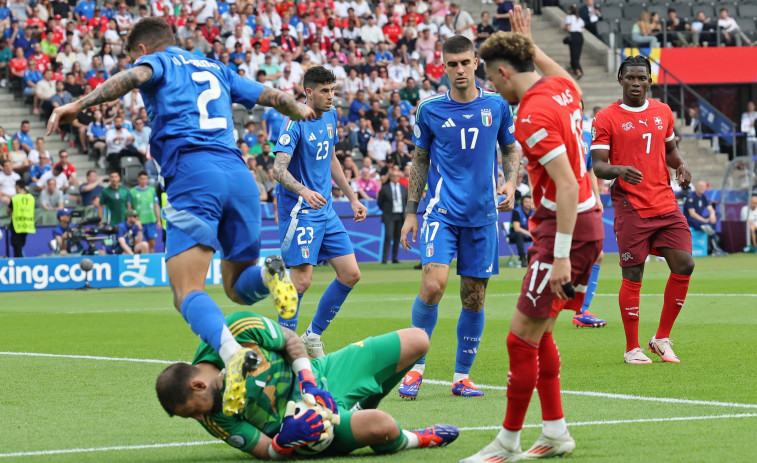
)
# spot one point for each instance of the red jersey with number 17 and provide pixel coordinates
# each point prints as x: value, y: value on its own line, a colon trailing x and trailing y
x: 637, y: 137
x: 549, y: 124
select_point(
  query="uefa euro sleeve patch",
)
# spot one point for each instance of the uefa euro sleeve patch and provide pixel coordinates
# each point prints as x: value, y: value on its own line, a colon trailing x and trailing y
x: 540, y: 135
x: 284, y: 139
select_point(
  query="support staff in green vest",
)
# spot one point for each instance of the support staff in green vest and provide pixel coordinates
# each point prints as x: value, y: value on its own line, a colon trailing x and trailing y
x: 114, y: 197
x: 144, y: 200
x: 21, y: 210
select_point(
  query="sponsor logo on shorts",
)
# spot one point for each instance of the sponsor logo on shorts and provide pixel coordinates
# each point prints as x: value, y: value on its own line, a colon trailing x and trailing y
x: 628, y: 126
x: 305, y: 251
x: 429, y: 249
x: 626, y: 256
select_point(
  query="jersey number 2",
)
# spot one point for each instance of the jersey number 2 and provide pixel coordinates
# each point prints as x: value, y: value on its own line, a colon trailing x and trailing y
x: 213, y: 93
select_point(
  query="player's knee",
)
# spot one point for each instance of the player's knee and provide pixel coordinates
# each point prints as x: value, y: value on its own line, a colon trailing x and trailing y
x: 432, y: 291
x: 684, y: 267
x: 416, y: 341
x: 632, y: 274
x: 381, y: 428
x: 231, y: 293
x: 351, y: 277
x: 600, y: 258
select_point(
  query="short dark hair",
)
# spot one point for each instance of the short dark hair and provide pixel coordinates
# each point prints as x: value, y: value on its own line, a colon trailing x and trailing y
x: 318, y: 75
x: 24, y: 122
x: 512, y: 47
x: 21, y: 183
x: 141, y: 173
x: 114, y: 172
x: 173, y: 386
x: 91, y: 171
x: 153, y: 32
x: 457, y: 44
x: 57, y: 169
x: 637, y: 60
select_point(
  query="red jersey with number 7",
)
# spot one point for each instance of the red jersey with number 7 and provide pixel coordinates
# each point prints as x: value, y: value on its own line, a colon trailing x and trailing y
x: 637, y: 137
x: 549, y: 124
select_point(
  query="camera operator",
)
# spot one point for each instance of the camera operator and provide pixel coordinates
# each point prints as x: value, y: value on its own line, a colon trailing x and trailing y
x: 130, y: 238
x: 67, y: 243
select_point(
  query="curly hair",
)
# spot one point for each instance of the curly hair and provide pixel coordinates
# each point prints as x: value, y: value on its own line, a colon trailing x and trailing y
x: 318, y: 75
x: 634, y: 61
x: 513, y: 47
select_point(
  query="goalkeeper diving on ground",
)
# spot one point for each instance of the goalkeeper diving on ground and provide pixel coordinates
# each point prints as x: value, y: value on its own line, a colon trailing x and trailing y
x: 336, y: 395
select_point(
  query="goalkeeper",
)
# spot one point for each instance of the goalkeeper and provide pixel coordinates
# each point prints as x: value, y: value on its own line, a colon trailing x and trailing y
x: 349, y: 383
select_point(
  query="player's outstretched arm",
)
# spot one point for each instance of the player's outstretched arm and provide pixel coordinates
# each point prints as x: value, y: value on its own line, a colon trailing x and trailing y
x: 282, y: 175
x: 521, y: 22
x: 674, y: 160
x: 285, y: 104
x: 418, y: 176
x: 113, y: 88
x: 337, y: 173
x: 510, y: 163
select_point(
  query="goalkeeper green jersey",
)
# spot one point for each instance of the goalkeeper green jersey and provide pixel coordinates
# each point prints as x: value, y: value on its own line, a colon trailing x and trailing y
x: 269, y: 387
x: 144, y: 201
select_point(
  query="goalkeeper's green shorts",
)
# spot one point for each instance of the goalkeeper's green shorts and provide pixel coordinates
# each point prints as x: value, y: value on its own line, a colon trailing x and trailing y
x: 354, y: 373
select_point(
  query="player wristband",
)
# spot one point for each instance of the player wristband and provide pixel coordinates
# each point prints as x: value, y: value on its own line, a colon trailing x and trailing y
x: 412, y: 207
x: 563, y: 242
x: 277, y: 452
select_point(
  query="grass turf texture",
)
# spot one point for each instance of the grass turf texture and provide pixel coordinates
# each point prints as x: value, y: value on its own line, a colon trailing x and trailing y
x: 64, y: 403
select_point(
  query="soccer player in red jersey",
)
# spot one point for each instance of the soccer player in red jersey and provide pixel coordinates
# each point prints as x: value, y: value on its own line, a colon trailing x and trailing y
x: 549, y: 129
x: 633, y: 144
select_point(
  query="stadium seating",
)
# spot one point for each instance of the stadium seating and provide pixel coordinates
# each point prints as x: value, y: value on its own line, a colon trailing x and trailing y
x: 130, y: 168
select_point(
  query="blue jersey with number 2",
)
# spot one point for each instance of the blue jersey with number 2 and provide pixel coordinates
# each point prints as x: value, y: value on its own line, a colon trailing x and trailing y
x: 311, y: 144
x: 462, y: 139
x: 188, y: 100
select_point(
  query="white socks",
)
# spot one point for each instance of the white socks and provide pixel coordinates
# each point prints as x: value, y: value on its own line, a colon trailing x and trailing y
x: 419, y: 367
x: 229, y: 346
x: 457, y: 377
x: 412, y: 439
x: 554, y: 429
x: 510, y: 439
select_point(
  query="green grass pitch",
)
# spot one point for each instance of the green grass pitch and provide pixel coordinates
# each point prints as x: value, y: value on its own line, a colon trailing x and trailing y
x: 616, y: 412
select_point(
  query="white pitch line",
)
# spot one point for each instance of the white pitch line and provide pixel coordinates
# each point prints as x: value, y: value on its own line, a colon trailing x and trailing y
x: 106, y: 449
x: 640, y: 420
x: 477, y: 428
x: 608, y: 395
x: 429, y: 381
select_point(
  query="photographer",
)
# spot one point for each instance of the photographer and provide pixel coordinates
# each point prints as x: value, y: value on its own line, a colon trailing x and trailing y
x: 130, y: 239
x: 67, y: 244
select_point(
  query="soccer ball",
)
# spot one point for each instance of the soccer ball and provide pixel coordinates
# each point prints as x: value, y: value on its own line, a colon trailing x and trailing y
x: 314, y: 447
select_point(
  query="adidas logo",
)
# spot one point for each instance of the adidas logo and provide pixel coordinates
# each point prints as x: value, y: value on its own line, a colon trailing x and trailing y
x: 449, y: 123
x: 312, y: 137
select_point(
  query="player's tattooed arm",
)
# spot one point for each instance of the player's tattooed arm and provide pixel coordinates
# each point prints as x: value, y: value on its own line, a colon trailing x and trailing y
x: 117, y: 86
x: 510, y: 162
x: 418, y: 176
x: 282, y: 175
x: 294, y: 348
x: 473, y: 293
x: 285, y: 104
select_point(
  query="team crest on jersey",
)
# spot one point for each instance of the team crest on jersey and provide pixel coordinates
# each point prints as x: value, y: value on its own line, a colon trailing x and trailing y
x: 305, y: 251
x: 628, y: 126
x: 658, y: 122
x: 330, y: 130
x: 486, y: 117
x: 429, y: 249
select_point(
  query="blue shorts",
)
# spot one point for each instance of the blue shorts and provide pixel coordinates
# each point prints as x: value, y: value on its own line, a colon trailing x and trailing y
x: 149, y: 231
x: 477, y: 248
x: 307, y: 241
x: 214, y: 201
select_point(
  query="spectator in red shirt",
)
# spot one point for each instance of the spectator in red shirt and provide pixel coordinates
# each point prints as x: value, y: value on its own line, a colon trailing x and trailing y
x: 209, y: 30
x: 82, y: 27
x: 283, y: 6
x: 18, y: 64
x: 35, y: 22
x: 265, y: 44
x: 98, y: 21
x: 411, y: 13
x: 319, y: 18
x: 97, y: 79
x: 67, y: 167
x: 43, y: 61
x: 392, y: 31
x: 435, y: 69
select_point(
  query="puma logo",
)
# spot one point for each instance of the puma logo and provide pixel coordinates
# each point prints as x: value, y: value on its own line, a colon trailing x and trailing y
x: 533, y: 299
x: 643, y: 122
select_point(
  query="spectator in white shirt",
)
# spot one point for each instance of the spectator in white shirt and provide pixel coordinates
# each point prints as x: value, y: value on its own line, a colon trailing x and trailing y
x: 379, y: 147
x: 141, y: 135
x: 749, y: 214
x: 8, y: 180
x: 286, y: 83
x: 237, y: 37
x: 362, y: 9
x: 204, y: 9
x: 132, y: 102
x: 352, y: 84
x: 61, y: 180
x: 731, y: 30
x: 747, y: 126
x: 117, y: 138
x: 51, y: 198
x: 462, y: 22
x: 249, y: 66
x: 371, y: 32
x: 39, y: 147
x: 123, y: 19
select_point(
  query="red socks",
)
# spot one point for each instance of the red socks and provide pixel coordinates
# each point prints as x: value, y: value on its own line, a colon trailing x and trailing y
x: 521, y: 380
x: 628, y: 298
x: 675, y: 295
x: 548, y: 384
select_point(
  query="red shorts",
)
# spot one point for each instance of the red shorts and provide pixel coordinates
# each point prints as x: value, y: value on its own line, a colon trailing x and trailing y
x: 536, y: 297
x: 638, y: 237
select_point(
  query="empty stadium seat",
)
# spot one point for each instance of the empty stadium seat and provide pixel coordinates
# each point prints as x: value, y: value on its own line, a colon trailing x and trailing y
x: 611, y: 12
x: 747, y: 10
x: 45, y: 217
x: 130, y: 168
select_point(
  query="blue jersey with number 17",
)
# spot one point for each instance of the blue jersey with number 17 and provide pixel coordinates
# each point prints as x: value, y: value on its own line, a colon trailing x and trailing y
x: 188, y: 99
x: 311, y: 144
x: 462, y: 139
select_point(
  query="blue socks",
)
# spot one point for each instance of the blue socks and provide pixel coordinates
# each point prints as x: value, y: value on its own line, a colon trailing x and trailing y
x: 292, y: 322
x: 591, y: 288
x: 424, y: 317
x: 250, y: 285
x: 470, y: 327
x: 328, y: 307
x: 204, y: 317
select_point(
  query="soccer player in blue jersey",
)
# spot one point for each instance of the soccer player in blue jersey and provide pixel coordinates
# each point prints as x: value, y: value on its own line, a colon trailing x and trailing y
x: 309, y: 228
x: 456, y: 136
x: 585, y: 318
x: 213, y: 202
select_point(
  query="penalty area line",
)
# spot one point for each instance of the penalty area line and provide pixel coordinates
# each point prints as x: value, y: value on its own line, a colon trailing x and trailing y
x: 477, y: 428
